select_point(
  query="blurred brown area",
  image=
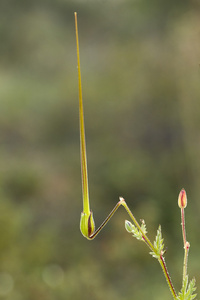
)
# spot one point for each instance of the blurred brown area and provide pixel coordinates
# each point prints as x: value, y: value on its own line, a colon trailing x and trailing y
x: 141, y: 87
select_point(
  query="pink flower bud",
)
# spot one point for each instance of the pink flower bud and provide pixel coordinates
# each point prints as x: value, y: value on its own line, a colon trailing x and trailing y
x: 182, y: 199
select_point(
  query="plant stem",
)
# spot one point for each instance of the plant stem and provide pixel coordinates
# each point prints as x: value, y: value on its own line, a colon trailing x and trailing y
x: 185, y: 243
x: 149, y: 244
x: 145, y: 238
x: 165, y: 271
x: 183, y: 226
x: 186, y: 249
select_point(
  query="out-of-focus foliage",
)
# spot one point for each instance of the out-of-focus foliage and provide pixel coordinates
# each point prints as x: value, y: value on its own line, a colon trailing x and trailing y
x: 141, y: 87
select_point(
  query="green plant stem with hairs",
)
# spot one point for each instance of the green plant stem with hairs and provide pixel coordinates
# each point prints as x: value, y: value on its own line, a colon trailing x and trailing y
x: 87, y: 225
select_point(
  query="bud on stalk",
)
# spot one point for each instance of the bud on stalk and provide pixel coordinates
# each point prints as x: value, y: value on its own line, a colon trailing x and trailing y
x: 182, y: 199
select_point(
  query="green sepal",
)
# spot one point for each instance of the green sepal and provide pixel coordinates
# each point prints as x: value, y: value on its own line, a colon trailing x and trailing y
x: 128, y: 226
x: 136, y: 232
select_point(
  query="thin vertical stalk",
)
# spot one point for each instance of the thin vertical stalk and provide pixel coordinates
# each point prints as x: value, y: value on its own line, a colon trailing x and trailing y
x: 186, y: 245
x: 85, y: 190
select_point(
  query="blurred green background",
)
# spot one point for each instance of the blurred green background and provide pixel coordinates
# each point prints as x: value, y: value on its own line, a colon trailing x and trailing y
x: 141, y: 86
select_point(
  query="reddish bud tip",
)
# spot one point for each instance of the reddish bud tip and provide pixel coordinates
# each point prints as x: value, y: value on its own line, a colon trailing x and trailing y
x: 182, y: 199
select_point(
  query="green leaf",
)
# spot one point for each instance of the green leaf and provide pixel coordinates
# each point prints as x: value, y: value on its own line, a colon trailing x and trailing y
x: 143, y: 227
x: 187, y: 291
x: 158, y: 244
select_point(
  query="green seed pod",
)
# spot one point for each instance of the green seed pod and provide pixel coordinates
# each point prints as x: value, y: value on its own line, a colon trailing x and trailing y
x: 87, y: 225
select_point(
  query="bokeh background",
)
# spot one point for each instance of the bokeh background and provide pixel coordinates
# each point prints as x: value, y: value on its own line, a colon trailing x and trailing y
x: 141, y: 86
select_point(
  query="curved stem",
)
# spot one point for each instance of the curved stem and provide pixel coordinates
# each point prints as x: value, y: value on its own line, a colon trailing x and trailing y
x: 123, y: 203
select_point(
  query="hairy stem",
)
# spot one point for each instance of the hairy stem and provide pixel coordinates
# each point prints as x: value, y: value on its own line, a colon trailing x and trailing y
x: 165, y: 271
x: 186, y: 245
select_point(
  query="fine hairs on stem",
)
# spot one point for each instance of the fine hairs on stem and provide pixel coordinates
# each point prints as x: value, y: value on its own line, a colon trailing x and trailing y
x: 139, y: 231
